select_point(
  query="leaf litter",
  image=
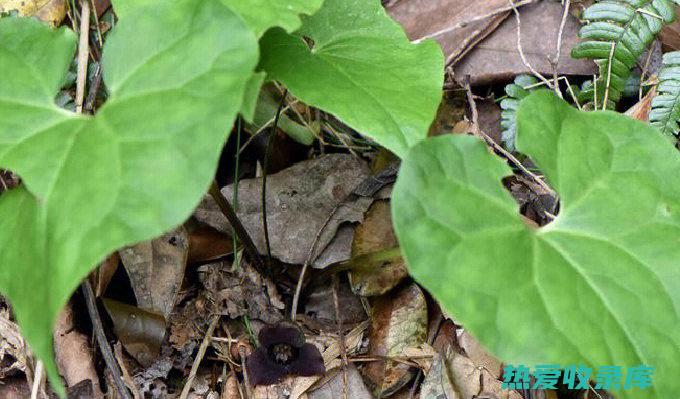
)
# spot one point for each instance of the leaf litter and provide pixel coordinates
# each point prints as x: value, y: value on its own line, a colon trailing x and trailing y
x: 374, y: 330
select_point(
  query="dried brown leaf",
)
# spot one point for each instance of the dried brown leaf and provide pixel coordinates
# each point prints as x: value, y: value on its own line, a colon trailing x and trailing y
x: 454, y: 18
x: 496, y: 58
x: 299, y: 201
x: 156, y: 270
x: 372, y: 236
x: 399, y: 321
x: 141, y: 332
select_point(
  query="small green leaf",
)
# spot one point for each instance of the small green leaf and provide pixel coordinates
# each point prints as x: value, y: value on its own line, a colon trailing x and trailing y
x: 264, y: 14
x: 600, y: 285
x: 135, y: 170
x: 362, y: 68
x: 516, y: 91
x: 264, y: 115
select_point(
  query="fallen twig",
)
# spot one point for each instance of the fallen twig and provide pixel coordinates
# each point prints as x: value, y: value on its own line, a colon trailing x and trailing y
x: 490, y: 142
x: 199, y: 357
x: 465, y: 23
x: 83, y: 54
x: 558, y: 52
x: 341, y: 335
x: 37, y: 380
x: 519, y: 46
x: 265, y: 172
x: 243, y: 236
x: 104, y: 347
x: 90, y: 301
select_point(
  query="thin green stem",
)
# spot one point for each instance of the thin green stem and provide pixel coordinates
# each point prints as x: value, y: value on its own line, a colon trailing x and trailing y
x: 265, y: 171
x: 234, y: 196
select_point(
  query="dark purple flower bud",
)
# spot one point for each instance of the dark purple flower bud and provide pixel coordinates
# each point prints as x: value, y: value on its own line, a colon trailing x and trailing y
x: 282, y: 352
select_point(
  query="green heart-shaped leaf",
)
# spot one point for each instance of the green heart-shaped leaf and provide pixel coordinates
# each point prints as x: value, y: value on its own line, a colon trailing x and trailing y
x: 176, y: 74
x: 263, y: 14
x: 600, y: 285
x: 362, y: 68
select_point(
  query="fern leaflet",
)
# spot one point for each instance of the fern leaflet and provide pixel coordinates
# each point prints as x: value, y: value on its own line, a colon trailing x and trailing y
x: 665, y: 112
x: 617, y: 33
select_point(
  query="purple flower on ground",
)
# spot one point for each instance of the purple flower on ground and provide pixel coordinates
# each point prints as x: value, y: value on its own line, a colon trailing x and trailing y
x: 283, y: 352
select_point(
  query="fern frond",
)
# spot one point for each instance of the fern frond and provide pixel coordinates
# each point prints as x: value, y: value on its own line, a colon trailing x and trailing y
x: 522, y: 87
x: 617, y: 33
x: 665, y: 112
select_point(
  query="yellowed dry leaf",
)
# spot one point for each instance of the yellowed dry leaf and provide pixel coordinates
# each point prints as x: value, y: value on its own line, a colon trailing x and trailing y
x: 50, y: 11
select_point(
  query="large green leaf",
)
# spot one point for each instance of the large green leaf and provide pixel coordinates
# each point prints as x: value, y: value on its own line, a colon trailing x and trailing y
x: 135, y: 170
x: 263, y: 14
x: 600, y: 285
x: 362, y: 68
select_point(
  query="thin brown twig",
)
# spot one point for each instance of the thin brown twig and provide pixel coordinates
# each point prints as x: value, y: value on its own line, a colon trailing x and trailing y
x: 489, y: 141
x: 90, y: 300
x: 104, y: 347
x: 231, y: 362
x: 243, y: 236
x: 264, y: 127
x: 526, y: 63
x: 397, y: 359
x: 246, y: 378
x: 558, y: 52
x: 265, y: 172
x: 609, y: 77
x: 83, y: 54
x: 341, y: 335
x: 645, y: 69
x: 595, y: 91
x: 199, y: 357
x: 476, y: 18
x: 569, y: 90
x: 118, y: 353
x: 100, y: 38
x: 94, y: 89
x: 308, y: 261
x: 37, y: 380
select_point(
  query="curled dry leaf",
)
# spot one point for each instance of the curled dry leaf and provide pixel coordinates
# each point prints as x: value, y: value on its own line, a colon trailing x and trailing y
x: 141, y: 332
x: 206, y: 243
x: 399, y: 321
x: 641, y: 109
x: 156, y: 270
x: 299, y: 201
x: 50, y: 11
